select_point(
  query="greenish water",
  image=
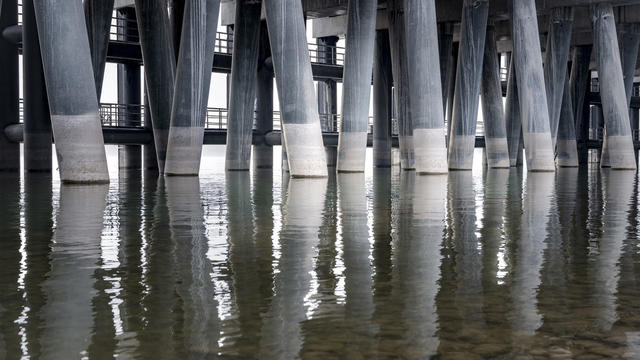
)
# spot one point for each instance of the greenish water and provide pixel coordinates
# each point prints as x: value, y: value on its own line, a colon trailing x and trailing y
x: 483, y: 264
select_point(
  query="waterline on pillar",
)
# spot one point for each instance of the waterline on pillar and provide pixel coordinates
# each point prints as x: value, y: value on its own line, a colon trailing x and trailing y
x: 352, y: 148
x: 497, y: 150
x: 305, y: 150
x: 539, y: 154
x: 567, y: 153
x: 184, y: 151
x: 461, y: 149
x: 430, y: 151
x: 621, y: 153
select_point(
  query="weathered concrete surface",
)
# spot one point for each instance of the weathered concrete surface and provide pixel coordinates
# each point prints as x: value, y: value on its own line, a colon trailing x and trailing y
x: 9, y: 87
x: 37, y: 121
x: 495, y: 131
x: 71, y: 89
x: 193, y: 78
x: 246, y: 43
x: 614, y: 105
x: 566, y: 145
x: 512, y: 117
x: 467, y: 92
x: 356, y: 93
x: 555, y: 63
x: 382, y: 99
x: 98, y: 15
x: 262, y: 153
x: 580, y: 77
x: 292, y: 64
x: 531, y: 88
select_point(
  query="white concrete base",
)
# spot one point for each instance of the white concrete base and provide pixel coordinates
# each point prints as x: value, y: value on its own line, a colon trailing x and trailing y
x: 497, y: 153
x: 567, y: 153
x: 430, y: 151
x: 352, y: 147
x: 305, y: 150
x: 184, y: 151
x: 407, y: 152
x: 540, y: 154
x: 461, y: 148
x: 621, y: 152
x: 395, y: 157
x: 80, y: 148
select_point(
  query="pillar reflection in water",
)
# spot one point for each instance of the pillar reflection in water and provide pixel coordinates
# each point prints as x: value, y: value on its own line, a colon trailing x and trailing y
x: 302, y: 217
x: 69, y: 288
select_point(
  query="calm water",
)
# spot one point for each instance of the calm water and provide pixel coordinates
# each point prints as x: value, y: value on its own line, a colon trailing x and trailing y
x: 483, y: 264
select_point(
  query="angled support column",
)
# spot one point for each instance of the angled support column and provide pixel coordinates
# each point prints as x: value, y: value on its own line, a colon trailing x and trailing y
x: 159, y: 69
x: 465, y: 103
x: 246, y: 43
x: 566, y: 146
x: 9, y: 88
x: 98, y: 14
x: 328, y: 95
x: 262, y: 153
x: 512, y: 117
x: 37, y: 121
x: 531, y: 88
x: 193, y: 78
x: 400, y: 68
x: 425, y: 88
x: 612, y: 90
x: 356, y: 93
x: 71, y: 88
x: 382, y: 94
x: 292, y: 64
x: 495, y: 130
x: 580, y: 77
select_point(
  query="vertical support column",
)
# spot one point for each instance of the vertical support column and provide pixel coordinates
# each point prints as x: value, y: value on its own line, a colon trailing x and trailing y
x: 629, y: 45
x: 98, y: 14
x: 465, y: 102
x: 149, y: 150
x: 292, y: 64
x: 580, y: 77
x: 71, y: 88
x: 9, y: 88
x: 382, y: 98
x: 262, y: 153
x: 531, y: 88
x: 425, y: 88
x: 567, y: 148
x: 618, y: 130
x: 37, y: 121
x: 328, y: 94
x: 193, y: 77
x: 246, y: 44
x: 513, y: 120
x: 159, y: 69
x: 445, y: 44
x: 356, y: 92
x: 129, y: 97
x: 495, y: 131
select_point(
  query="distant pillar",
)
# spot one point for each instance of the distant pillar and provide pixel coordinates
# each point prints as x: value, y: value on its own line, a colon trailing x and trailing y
x: 263, y: 154
x: 356, y: 91
x: 246, y: 44
x: 513, y: 120
x: 294, y: 79
x: 129, y: 97
x: 580, y: 79
x: 328, y: 94
x: 193, y: 78
x: 98, y: 14
x: 465, y: 102
x: 445, y: 44
x: 567, y: 148
x: 37, y: 121
x: 425, y: 88
x: 495, y: 131
x: 71, y: 89
x: 9, y: 88
x: 382, y: 98
x: 612, y: 91
x: 531, y: 88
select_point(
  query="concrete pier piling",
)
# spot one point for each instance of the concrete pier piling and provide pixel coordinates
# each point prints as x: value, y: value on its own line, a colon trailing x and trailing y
x: 579, y: 81
x: 98, y: 15
x: 246, y: 43
x: 382, y: 100
x: 37, y: 121
x: 467, y: 91
x: 566, y: 145
x: 531, y: 87
x: 612, y: 91
x: 9, y: 88
x: 294, y: 79
x: 262, y: 153
x: 425, y: 88
x: 513, y: 121
x: 495, y: 130
x: 356, y: 93
x: 193, y: 77
x: 71, y: 89
x: 328, y: 94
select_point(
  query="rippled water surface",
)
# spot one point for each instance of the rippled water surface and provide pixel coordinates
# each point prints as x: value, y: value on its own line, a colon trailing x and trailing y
x: 471, y: 265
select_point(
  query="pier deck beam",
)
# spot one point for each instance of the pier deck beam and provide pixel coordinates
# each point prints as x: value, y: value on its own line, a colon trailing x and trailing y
x: 262, y: 153
x: 382, y: 83
x: 9, y: 88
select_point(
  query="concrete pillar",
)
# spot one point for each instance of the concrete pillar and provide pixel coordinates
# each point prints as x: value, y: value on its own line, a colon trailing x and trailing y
x: 292, y: 64
x: 566, y: 146
x: 98, y: 15
x: 465, y: 102
x: 612, y: 91
x: 534, y: 110
x: 71, y: 89
x: 129, y: 97
x: 159, y: 69
x: 9, y: 151
x: 451, y: 90
x: 356, y: 91
x: 445, y: 45
x: 401, y: 83
x: 37, y: 121
x: 149, y: 150
x: 580, y: 77
x: 193, y: 77
x: 495, y: 130
x: 382, y: 98
x: 328, y: 94
x: 263, y: 154
x: 246, y: 43
x: 425, y: 88
x: 512, y: 117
